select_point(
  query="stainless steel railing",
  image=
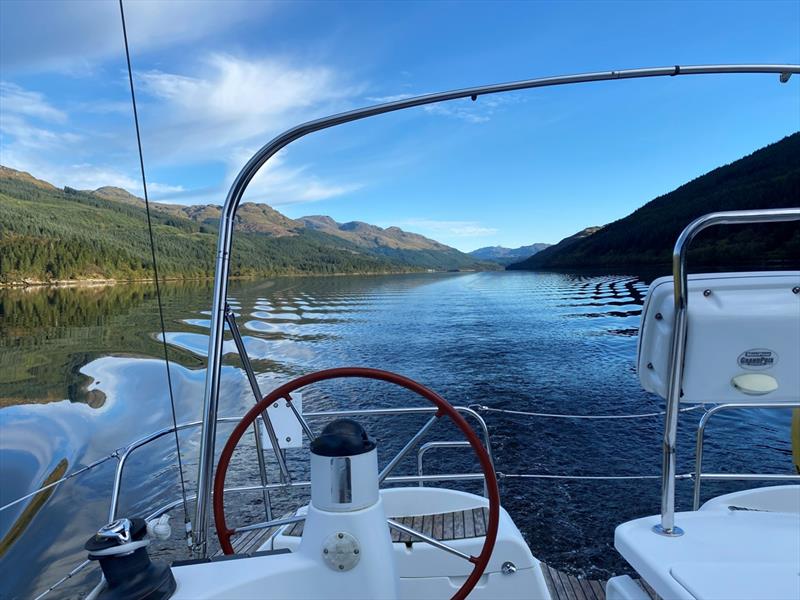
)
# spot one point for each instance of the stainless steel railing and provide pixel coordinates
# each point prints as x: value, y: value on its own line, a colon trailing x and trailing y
x: 699, y: 476
x: 679, y: 332
x: 125, y: 454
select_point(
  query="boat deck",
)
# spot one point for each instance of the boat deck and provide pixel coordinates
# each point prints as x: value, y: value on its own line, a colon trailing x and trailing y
x: 458, y: 525
x: 452, y: 526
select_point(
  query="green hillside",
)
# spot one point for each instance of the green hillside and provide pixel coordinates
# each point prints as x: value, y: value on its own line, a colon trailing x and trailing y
x: 50, y: 234
x: 767, y: 178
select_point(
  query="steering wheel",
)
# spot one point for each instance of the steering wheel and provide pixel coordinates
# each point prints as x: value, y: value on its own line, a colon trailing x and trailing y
x: 444, y: 408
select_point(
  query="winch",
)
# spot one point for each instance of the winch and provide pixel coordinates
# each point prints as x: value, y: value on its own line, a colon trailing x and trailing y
x: 121, y: 549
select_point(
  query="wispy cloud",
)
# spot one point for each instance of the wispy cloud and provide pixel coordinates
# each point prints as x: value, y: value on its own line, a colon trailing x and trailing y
x: 279, y: 184
x: 479, y: 111
x: 450, y: 228
x: 18, y: 101
x: 467, y: 114
x: 73, y: 37
x: 384, y: 99
x: 37, y: 137
x: 230, y: 105
x: 220, y: 112
x: 229, y: 100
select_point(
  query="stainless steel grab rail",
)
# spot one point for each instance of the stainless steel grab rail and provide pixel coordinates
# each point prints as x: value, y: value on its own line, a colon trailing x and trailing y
x: 245, y: 176
x: 125, y: 453
x: 428, y: 446
x: 678, y: 351
x: 698, y: 459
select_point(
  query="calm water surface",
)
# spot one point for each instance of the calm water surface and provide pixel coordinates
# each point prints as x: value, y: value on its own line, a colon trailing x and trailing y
x: 81, y: 374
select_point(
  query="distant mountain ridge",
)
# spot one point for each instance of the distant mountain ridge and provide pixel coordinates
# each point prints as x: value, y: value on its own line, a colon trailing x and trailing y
x: 51, y: 234
x: 559, y: 247
x: 766, y: 178
x: 505, y: 256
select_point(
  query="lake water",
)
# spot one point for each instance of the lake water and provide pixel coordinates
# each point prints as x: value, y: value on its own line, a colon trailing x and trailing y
x: 81, y: 374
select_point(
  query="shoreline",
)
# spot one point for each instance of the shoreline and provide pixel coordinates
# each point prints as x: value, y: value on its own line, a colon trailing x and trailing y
x: 88, y: 283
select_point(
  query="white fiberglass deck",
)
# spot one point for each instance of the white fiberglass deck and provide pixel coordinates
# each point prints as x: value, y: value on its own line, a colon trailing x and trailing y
x: 723, y: 555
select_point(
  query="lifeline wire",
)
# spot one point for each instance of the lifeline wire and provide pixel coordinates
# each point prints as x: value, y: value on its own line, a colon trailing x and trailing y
x: 483, y: 408
x: 155, y: 275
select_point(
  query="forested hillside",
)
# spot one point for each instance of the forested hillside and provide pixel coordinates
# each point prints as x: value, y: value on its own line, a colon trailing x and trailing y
x: 51, y: 234
x: 767, y: 178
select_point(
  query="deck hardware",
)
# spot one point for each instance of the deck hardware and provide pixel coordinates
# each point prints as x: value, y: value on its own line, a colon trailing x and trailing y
x: 474, y: 97
x: 428, y: 540
x: 784, y: 77
x: 341, y: 551
x: 650, y: 366
x: 706, y: 293
x: 796, y: 290
x: 508, y: 568
x: 659, y: 316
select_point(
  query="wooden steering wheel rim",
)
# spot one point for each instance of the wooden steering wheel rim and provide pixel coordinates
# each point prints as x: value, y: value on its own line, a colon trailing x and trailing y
x: 444, y: 408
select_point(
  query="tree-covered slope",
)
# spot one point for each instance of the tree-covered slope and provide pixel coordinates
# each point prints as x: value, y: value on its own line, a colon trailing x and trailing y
x: 767, y: 178
x: 50, y: 234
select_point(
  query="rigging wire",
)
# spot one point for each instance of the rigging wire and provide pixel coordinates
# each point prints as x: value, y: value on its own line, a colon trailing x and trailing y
x: 483, y: 408
x: 187, y: 522
x: 501, y: 476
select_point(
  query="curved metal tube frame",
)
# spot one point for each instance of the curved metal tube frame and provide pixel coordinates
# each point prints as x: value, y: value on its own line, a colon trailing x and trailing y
x: 245, y: 176
x: 678, y: 352
x: 427, y: 446
x: 123, y: 454
x: 698, y: 460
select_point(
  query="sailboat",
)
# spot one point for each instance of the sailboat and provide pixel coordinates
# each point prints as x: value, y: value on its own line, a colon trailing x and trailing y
x: 725, y: 341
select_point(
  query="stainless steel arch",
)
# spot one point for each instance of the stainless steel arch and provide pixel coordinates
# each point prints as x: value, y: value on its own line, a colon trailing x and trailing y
x: 211, y: 394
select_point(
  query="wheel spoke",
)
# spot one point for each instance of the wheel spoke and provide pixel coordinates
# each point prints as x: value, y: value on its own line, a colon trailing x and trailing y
x: 407, y: 448
x: 267, y: 524
x: 429, y: 540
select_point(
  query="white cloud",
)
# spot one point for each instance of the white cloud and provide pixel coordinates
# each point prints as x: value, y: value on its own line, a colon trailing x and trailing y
x: 468, y: 114
x: 450, y: 228
x: 52, y: 150
x: 231, y: 106
x: 15, y: 100
x: 32, y: 137
x: 232, y: 100
x: 479, y: 111
x: 384, y: 99
x: 279, y: 184
x: 74, y: 36
x: 164, y: 189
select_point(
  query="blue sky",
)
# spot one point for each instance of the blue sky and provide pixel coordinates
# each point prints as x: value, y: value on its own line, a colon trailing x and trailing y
x: 216, y: 80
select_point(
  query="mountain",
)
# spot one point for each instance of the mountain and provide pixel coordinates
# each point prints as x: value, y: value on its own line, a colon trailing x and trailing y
x: 559, y: 247
x: 505, y: 256
x: 25, y: 178
x: 767, y: 178
x: 49, y: 234
x: 395, y: 244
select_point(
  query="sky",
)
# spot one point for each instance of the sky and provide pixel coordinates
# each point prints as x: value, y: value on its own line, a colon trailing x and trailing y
x: 216, y: 80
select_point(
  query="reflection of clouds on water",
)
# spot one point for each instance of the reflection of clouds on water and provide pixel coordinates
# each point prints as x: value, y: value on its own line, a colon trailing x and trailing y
x: 285, y: 315
x: 257, y: 348
x: 264, y: 327
x: 204, y: 323
x: 208, y: 312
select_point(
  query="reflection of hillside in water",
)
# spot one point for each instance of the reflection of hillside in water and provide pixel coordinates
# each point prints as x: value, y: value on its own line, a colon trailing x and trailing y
x: 48, y: 334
